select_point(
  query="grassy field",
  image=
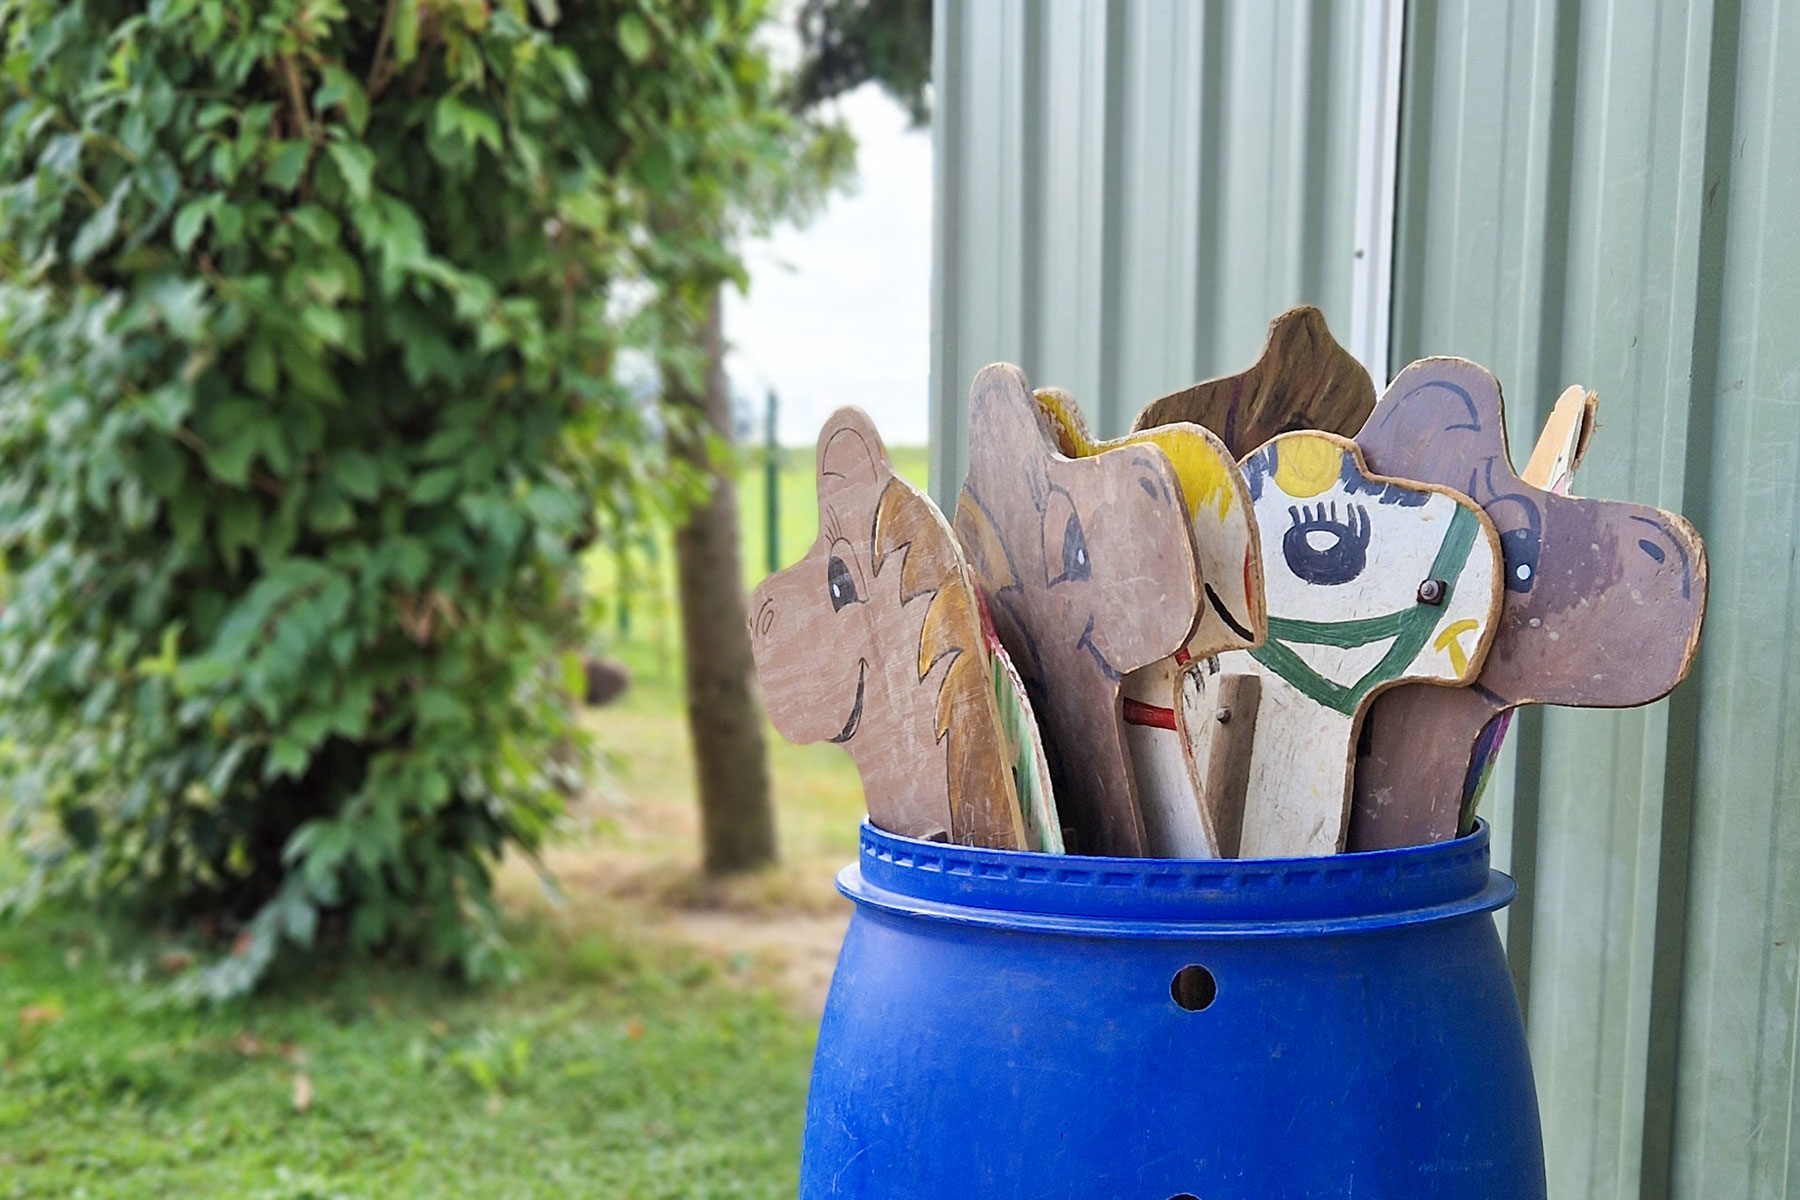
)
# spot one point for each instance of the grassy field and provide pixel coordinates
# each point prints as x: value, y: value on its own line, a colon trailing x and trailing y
x: 656, y: 1046
x: 622, y: 1067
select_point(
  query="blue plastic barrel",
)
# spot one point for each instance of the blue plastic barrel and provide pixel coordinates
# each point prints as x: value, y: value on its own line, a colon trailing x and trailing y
x: 1004, y: 1024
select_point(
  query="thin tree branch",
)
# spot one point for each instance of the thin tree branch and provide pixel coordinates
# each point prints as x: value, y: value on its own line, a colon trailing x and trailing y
x: 290, y: 71
x: 378, y: 66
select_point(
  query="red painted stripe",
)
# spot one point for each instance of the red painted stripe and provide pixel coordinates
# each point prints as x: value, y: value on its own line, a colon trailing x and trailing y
x: 1182, y: 657
x: 1139, y: 713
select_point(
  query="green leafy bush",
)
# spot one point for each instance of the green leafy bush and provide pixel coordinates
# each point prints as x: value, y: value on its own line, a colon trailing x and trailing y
x: 308, y: 316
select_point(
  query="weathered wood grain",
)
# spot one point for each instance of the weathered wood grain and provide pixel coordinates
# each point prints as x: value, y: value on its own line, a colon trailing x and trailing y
x: 875, y: 640
x: 1370, y: 582
x: 1602, y: 608
x: 1559, y: 450
x: 1218, y: 712
x: 1089, y: 569
x: 1304, y: 380
x: 1177, y: 814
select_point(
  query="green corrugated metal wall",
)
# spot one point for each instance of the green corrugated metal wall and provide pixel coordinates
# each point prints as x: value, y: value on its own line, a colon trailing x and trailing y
x: 1604, y: 193
x: 1102, y: 165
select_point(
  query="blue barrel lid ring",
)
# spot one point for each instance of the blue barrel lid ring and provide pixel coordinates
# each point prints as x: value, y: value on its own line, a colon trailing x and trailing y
x: 1175, y: 898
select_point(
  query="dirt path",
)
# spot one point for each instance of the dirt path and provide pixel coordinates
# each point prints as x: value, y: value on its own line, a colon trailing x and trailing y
x: 637, y: 869
x: 800, y: 950
x: 632, y: 860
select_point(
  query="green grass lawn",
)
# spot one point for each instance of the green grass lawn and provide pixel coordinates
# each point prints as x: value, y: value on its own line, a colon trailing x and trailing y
x: 618, y: 1068
x: 625, y: 1063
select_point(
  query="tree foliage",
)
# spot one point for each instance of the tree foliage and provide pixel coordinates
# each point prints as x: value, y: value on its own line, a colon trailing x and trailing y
x: 310, y: 311
x: 847, y: 43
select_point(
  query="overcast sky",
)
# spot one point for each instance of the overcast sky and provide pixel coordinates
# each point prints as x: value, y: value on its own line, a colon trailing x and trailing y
x: 839, y: 312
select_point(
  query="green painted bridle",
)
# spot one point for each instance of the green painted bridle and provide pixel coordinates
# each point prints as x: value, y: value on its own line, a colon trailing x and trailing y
x: 1409, y: 628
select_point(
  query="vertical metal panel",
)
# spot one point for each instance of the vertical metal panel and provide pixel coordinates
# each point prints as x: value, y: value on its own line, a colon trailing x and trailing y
x: 1377, y: 184
x: 1130, y: 189
x: 1594, y: 191
x: 1601, y: 192
x: 1734, y: 1128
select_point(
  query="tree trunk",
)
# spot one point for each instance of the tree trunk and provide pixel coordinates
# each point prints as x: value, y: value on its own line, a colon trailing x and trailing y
x: 737, y: 816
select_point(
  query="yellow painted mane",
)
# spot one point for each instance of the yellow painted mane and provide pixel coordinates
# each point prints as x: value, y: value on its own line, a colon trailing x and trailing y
x: 903, y: 517
x: 1203, y: 468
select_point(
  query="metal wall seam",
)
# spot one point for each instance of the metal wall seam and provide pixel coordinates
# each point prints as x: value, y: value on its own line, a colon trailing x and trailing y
x: 1377, y: 185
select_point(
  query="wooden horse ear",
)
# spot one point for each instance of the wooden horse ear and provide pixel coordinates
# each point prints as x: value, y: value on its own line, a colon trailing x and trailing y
x: 1564, y: 440
x: 1005, y: 418
x: 1440, y: 416
x: 1304, y: 380
x: 850, y: 451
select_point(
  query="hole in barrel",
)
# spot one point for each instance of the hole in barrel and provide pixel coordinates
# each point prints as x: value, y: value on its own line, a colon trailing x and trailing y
x: 1193, y: 988
x: 1184, y: 1196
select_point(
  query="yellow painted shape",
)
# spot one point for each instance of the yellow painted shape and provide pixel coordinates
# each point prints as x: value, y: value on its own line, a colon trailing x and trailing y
x: 984, y: 544
x: 1071, y: 433
x: 1203, y: 469
x: 1306, y: 466
x: 1459, y: 662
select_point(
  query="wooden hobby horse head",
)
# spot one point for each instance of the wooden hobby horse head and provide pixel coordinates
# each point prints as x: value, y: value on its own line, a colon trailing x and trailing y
x: 875, y: 640
x: 1187, y: 814
x: 1602, y: 605
x: 1088, y: 565
x: 1372, y: 582
x: 1304, y: 380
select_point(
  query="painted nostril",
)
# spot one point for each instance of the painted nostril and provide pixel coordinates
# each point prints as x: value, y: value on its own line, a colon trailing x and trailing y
x: 765, y: 620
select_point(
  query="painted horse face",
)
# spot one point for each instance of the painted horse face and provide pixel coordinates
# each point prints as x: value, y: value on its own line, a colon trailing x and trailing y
x: 1575, y: 568
x: 1091, y: 558
x: 831, y: 609
x: 1179, y: 818
x: 1089, y: 567
x: 1372, y: 583
x: 1219, y: 509
x: 875, y: 640
x: 1363, y: 567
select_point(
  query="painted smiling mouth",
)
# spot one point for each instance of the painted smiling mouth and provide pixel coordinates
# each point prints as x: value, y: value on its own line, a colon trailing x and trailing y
x: 855, y: 718
x: 1225, y: 615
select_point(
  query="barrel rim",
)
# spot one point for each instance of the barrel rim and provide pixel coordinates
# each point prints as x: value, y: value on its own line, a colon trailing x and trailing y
x: 1199, y: 898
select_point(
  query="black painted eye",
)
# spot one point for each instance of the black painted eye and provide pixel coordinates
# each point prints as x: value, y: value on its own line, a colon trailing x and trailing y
x: 1065, y: 545
x: 1651, y: 548
x: 839, y: 583
x: 1074, y: 552
x: 1519, y: 548
x: 1519, y: 545
x: 1321, y: 549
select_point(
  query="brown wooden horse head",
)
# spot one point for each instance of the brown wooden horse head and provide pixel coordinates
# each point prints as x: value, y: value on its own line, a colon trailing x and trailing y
x: 1089, y: 566
x: 1575, y: 567
x: 874, y: 640
x: 1602, y: 605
